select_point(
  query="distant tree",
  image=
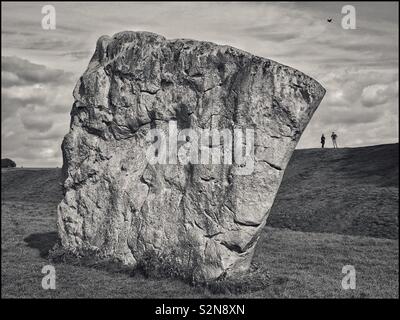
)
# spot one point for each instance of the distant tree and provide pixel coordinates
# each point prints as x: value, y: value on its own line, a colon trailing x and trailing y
x: 8, y: 163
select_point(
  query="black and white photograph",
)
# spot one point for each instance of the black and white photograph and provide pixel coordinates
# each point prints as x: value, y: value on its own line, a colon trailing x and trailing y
x: 199, y: 152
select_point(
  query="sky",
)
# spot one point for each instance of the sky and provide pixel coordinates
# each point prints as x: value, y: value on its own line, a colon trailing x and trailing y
x: 358, y: 67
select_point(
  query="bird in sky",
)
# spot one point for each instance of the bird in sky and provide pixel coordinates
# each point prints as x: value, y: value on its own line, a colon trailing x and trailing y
x: 329, y: 20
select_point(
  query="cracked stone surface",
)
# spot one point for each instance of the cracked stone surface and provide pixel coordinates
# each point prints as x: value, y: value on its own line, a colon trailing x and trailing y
x: 205, y: 218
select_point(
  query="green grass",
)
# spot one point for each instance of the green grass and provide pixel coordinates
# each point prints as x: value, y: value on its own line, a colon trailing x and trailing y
x: 299, y: 264
x: 352, y: 191
x: 291, y: 264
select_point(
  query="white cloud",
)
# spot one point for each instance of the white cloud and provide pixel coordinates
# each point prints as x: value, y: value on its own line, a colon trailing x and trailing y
x: 36, y: 101
x: 377, y: 94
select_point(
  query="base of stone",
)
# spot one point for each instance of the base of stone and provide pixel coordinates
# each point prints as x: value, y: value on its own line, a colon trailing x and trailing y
x: 88, y: 259
x: 256, y: 279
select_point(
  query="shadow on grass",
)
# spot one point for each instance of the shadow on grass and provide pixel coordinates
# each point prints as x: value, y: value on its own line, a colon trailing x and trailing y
x: 49, y: 248
x: 44, y: 242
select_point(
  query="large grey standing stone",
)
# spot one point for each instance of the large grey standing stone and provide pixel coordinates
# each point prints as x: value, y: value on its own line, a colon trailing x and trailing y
x: 204, y: 219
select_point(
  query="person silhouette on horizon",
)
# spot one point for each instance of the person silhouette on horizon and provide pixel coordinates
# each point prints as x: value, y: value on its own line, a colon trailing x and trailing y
x: 322, y: 141
x: 334, y: 136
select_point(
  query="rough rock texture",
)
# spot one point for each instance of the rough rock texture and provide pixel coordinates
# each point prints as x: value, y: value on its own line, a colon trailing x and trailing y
x: 204, y: 220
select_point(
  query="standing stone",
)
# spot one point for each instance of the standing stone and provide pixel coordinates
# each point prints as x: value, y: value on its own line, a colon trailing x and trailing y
x: 203, y: 219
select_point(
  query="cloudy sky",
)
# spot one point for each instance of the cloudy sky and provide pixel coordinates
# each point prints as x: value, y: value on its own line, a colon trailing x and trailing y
x: 359, y: 68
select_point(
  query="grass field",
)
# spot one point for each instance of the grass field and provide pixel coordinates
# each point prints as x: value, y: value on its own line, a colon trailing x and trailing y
x: 352, y: 191
x: 303, y: 262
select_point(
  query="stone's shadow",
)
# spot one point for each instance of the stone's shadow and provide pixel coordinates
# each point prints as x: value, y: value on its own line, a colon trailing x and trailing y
x: 44, y: 242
